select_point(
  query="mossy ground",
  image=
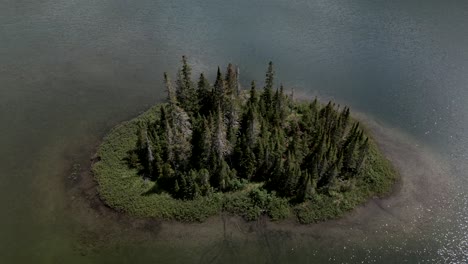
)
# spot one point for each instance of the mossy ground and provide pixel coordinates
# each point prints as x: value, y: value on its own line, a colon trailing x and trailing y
x: 121, y: 188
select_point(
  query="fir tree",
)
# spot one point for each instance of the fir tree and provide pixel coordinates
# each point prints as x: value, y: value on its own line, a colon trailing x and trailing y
x: 219, y: 91
x: 204, y: 96
x: 185, y: 91
x: 231, y: 80
x: 253, y: 99
x: 267, y: 95
x: 269, y: 77
x: 362, y: 154
x: 205, y: 138
x: 171, y: 93
x: 306, y: 188
x: 221, y: 145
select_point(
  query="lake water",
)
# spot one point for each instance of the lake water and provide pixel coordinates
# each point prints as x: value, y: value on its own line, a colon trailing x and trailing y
x: 70, y: 70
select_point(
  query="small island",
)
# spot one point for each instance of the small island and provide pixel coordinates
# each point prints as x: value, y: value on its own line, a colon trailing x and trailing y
x: 212, y: 149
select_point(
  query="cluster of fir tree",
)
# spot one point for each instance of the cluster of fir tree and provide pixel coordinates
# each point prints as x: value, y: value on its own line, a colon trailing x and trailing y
x: 210, y: 138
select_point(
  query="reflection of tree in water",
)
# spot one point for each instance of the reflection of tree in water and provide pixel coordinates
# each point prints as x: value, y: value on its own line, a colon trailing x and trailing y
x: 220, y: 249
x: 266, y: 244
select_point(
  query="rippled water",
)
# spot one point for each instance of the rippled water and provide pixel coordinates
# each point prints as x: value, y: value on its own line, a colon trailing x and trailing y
x: 70, y: 70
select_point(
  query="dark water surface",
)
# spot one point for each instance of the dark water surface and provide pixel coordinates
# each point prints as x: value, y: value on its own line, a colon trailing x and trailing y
x: 70, y: 70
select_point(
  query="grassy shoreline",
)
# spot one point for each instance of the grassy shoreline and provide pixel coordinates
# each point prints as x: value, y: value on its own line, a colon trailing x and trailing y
x: 122, y: 189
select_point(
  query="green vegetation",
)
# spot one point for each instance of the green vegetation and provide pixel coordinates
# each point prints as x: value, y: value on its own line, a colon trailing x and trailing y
x: 217, y: 148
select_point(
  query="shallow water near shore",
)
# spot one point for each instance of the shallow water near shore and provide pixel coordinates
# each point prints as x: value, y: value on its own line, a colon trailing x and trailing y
x: 404, y: 213
x: 71, y: 70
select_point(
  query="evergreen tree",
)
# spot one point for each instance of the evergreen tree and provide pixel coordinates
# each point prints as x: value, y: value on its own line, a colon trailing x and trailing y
x: 292, y: 175
x: 206, y: 137
x: 249, y: 125
x: 160, y: 132
x: 204, y: 96
x: 188, y: 187
x: 203, y: 182
x: 247, y: 162
x: 280, y: 111
x: 230, y: 107
x: 231, y: 80
x: 158, y: 162
x: 253, y: 99
x: 303, y: 192
x: 221, y: 145
x: 269, y: 78
x: 219, y: 90
x: 171, y: 93
x: 362, y: 154
x: 186, y: 93
x: 202, y: 145
x: 197, y: 143
x: 267, y: 95
x: 145, y: 152
x: 349, y: 148
x: 224, y: 175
